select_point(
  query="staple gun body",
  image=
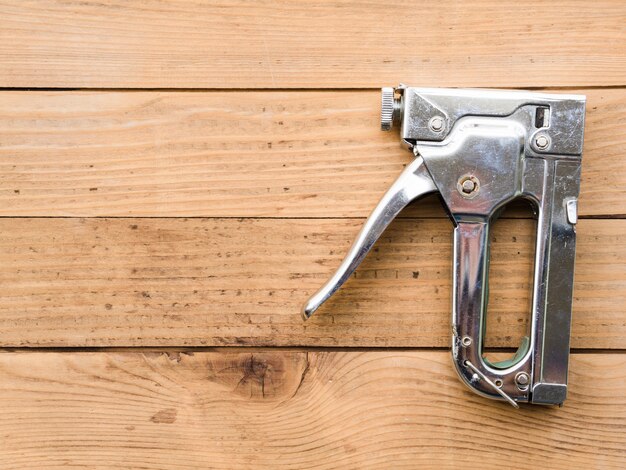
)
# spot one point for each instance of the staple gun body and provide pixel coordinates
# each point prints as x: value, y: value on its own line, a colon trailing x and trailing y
x: 480, y: 150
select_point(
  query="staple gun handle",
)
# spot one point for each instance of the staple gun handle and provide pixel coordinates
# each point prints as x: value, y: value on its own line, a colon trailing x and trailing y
x: 469, y: 305
x: 470, y: 283
x: 413, y: 183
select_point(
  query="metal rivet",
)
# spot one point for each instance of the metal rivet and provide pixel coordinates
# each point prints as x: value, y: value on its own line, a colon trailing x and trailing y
x: 542, y: 141
x: 522, y: 380
x: 436, y: 124
x: 498, y: 383
x: 466, y: 341
x: 468, y: 186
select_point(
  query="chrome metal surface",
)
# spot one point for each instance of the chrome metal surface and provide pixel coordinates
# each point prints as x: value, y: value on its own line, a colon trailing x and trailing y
x: 413, y: 183
x: 481, y: 149
x: 495, y: 386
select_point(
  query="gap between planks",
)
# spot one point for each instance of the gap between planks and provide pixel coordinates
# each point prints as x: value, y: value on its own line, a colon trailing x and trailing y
x: 262, y: 349
x: 547, y: 89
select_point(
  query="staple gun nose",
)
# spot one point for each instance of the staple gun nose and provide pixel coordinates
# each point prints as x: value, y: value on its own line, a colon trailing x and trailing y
x: 480, y: 150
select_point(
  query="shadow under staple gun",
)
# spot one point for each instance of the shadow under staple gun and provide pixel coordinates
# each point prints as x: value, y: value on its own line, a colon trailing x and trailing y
x: 480, y: 150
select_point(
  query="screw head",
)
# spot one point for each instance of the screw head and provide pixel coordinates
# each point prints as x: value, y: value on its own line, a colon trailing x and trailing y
x: 468, y: 186
x: 542, y: 141
x: 436, y: 124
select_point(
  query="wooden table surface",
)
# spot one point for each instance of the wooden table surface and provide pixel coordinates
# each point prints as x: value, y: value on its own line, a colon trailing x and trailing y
x: 176, y: 177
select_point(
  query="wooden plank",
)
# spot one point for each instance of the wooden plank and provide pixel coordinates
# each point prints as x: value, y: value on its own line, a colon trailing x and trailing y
x: 151, y: 43
x: 294, y: 410
x: 248, y: 154
x: 212, y: 282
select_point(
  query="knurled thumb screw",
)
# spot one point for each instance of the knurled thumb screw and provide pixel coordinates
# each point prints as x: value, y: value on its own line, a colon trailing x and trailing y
x: 391, y: 108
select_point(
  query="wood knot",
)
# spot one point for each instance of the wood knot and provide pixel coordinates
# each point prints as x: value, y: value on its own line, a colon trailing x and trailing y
x: 167, y: 416
x: 259, y: 375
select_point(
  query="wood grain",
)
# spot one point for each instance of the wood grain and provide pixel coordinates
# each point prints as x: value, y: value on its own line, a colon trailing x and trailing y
x: 247, y: 154
x: 159, y: 110
x: 175, y: 282
x: 294, y: 410
x: 151, y: 43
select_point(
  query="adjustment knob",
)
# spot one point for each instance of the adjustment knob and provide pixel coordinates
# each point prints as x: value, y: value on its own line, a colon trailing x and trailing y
x: 386, y: 110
